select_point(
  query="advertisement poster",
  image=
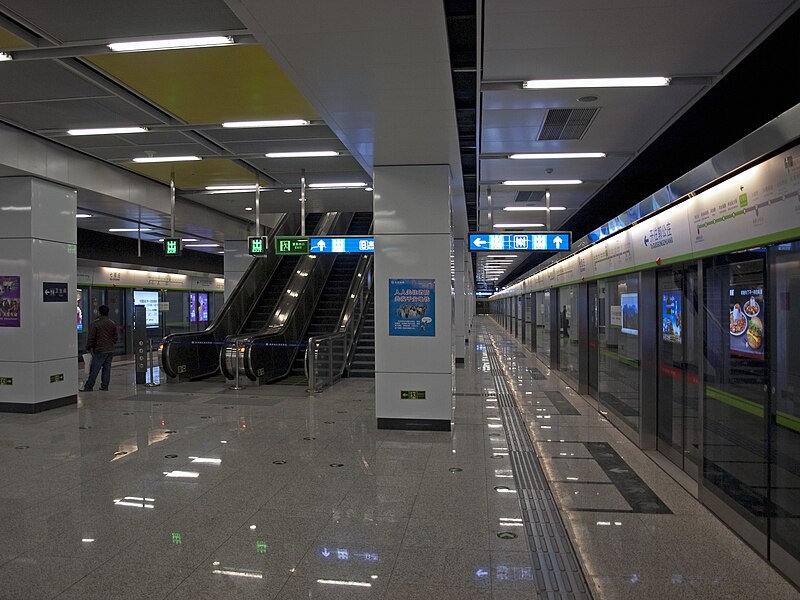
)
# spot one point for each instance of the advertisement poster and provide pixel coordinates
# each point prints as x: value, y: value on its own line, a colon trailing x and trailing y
x: 202, y: 301
x: 630, y: 313
x: 747, y: 322
x: 412, y: 307
x: 9, y: 301
x: 193, y: 308
x: 671, y: 318
x: 150, y: 302
x: 615, y: 316
x: 80, y: 310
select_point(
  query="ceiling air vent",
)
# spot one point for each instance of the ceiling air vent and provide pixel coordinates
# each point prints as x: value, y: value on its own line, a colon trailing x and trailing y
x: 566, y: 123
x: 529, y: 196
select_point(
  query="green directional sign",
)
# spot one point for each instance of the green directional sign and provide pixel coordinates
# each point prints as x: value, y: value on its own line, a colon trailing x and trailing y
x: 292, y: 245
x: 412, y: 394
x: 6, y: 381
x: 172, y: 247
x: 257, y: 246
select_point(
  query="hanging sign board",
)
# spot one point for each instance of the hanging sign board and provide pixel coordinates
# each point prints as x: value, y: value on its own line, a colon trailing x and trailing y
x: 292, y: 245
x: 520, y: 242
x: 172, y: 247
x: 342, y: 245
x: 257, y: 246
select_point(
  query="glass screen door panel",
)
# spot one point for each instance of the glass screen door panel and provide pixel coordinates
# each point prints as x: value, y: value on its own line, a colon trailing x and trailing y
x: 735, y: 465
x: 593, y: 346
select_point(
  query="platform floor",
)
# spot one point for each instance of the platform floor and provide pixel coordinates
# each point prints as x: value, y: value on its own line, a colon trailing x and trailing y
x: 195, y: 491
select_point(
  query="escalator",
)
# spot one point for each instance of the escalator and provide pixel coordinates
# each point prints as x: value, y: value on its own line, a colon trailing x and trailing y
x: 362, y: 363
x: 194, y: 355
x: 328, y: 311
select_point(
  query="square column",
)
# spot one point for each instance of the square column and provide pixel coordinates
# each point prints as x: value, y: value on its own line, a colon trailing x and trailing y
x: 38, y: 305
x: 459, y: 288
x: 413, y: 297
x: 235, y: 262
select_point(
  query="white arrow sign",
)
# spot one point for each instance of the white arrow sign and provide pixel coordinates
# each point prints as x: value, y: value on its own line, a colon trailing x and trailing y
x: 558, y: 241
x: 321, y: 245
x: 479, y: 242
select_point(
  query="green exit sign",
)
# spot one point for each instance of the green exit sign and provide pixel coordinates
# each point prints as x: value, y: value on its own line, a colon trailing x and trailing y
x: 6, y: 381
x: 292, y: 245
x: 412, y: 394
x: 257, y: 246
x: 56, y: 378
x: 172, y: 247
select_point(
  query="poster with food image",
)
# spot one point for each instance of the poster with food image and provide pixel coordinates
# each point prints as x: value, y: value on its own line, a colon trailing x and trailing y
x: 747, y: 328
x: 671, y: 316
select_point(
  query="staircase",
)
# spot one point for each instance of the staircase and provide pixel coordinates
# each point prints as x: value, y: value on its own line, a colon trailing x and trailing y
x: 363, y: 364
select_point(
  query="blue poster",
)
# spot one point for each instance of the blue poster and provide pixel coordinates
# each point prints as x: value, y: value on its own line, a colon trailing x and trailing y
x: 412, y: 307
x: 671, y: 318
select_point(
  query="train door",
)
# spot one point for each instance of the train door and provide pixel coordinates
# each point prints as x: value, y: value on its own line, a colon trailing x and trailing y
x: 678, y: 372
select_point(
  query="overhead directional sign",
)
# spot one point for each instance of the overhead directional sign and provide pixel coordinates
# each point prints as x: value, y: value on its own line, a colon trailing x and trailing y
x: 520, y: 242
x: 257, y: 245
x: 344, y: 244
x: 172, y: 247
x: 292, y: 245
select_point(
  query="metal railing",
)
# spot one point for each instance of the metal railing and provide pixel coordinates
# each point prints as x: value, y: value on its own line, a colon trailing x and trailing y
x: 328, y: 356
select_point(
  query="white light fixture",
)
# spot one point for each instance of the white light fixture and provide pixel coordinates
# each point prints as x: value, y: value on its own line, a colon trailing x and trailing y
x: 544, y: 182
x: 305, y: 154
x: 186, y: 474
x: 501, y: 255
x: 201, y: 245
x: 128, y: 229
x: 342, y: 582
x: 233, y: 187
x: 331, y: 186
x: 556, y: 155
x: 287, y: 191
x: 87, y: 540
x: 183, y: 240
x: 83, y: 216
x: 173, y: 44
x: 516, y: 225
x: 600, y: 82
x: 532, y: 208
x: 5, y: 56
x: 367, y: 189
x: 237, y: 573
x: 248, y: 208
x: 280, y: 123
x: 107, y: 130
x: 160, y: 159
x: 209, y: 461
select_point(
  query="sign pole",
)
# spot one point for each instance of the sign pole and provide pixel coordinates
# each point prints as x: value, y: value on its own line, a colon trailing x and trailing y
x: 258, y: 208
x: 172, y: 204
x: 302, y: 202
x: 490, y: 220
x: 547, y: 205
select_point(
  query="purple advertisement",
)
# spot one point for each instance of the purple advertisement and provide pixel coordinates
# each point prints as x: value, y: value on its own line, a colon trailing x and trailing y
x: 9, y: 301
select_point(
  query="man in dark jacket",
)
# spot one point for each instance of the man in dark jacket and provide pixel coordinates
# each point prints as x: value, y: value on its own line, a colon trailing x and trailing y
x: 102, y: 339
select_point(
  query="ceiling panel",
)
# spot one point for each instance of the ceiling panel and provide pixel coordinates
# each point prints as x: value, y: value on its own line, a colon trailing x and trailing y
x: 150, y: 140
x: 78, y: 20
x: 195, y: 174
x: 9, y: 40
x: 100, y: 112
x: 42, y: 80
x: 211, y: 85
x: 126, y: 153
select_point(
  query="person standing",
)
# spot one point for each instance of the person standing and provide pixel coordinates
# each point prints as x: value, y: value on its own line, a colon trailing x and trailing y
x: 101, y: 342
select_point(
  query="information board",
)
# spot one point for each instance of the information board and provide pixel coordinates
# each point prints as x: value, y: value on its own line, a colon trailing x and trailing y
x: 412, y: 307
x: 257, y: 245
x: 9, y: 301
x: 150, y: 302
x: 342, y: 245
x: 55, y: 291
x: 292, y: 245
x: 172, y: 247
x: 520, y: 242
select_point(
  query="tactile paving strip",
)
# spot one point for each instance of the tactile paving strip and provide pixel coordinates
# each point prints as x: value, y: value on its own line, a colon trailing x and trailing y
x: 557, y: 571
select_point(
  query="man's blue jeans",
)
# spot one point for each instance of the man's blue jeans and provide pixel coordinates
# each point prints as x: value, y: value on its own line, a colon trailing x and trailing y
x: 100, y: 360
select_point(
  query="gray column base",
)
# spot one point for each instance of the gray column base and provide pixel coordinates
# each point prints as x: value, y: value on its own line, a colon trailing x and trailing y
x: 415, y: 424
x: 36, y: 407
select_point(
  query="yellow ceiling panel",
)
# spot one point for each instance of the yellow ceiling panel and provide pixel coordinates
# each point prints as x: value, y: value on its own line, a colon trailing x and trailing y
x: 9, y: 40
x: 211, y: 85
x: 196, y: 174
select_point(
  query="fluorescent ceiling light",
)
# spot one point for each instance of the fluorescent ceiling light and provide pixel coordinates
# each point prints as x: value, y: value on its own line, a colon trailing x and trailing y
x: 121, y: 229
x: 306, y: 154
x: 501, y: 255
x: 532, y: 208
x: 544, y: 182
x: 281, y: 123
x: 174, y: 44
x: 601, y: 82
x: 183, y: 240
x: 158, y: 159
x: 107, y: 130
x: 516, y: 225
x: 83, y: 216
x: 287, y: 191
x: 236, y: 573
x: 210, y: 461
x: 189, y: 474
x: 241, y: 186
x: 342, y: 582
x: 557, y: 155
x: 5, y: 56
x: 201, y: 245
x: 326, y: 186
x: 248, y: 208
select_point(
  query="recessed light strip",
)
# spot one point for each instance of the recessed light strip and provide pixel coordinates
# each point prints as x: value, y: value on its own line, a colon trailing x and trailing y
x: 601, y: 82
x: 331, y: 186
x: 160, y: 159
x: 516, y: 225
x: 544, y: 182
x: 556, y: 155
x: 281, y: 123
x: 107, y: 130
x: 173, y: 44
x: 306, y: 154
x: 5, y: 56
x: 532, y: 208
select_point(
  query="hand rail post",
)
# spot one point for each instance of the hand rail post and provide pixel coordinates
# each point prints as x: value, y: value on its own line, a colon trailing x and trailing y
x: 150, y: 364
x: 236, y: 385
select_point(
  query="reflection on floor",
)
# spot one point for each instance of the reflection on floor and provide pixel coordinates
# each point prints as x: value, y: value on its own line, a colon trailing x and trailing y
x: 197, y: 491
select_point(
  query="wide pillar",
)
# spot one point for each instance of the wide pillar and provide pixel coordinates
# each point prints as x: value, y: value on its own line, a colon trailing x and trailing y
x: 235, y: 262
x: 413, y: 297
x: 38, y: 303
x: 460, y: 293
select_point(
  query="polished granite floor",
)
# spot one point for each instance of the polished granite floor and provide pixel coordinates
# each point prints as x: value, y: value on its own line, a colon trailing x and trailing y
x: 197, y: 491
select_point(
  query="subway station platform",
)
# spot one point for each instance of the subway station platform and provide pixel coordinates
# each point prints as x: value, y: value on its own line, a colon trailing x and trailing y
x: 198, y: 491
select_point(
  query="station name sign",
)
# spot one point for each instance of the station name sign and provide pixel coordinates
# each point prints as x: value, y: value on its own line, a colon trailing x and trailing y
x: 520, y: 242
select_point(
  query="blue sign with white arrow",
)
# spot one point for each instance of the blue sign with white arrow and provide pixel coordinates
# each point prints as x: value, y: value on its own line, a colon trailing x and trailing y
x: 342, y: 245
x: 520, y: 242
